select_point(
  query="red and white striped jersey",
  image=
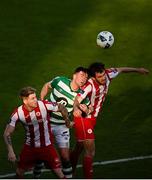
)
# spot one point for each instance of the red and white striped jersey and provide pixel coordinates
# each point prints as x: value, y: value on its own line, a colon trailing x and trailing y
x: 96, y: 92
x: 36, y: 123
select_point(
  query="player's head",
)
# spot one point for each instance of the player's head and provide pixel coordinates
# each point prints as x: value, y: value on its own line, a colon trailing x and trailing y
x: 80, y: 76
x: 28, y: 95
x: 97, y: 71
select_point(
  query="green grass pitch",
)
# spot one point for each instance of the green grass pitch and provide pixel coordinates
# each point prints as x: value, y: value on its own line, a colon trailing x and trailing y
x: 42, y: 39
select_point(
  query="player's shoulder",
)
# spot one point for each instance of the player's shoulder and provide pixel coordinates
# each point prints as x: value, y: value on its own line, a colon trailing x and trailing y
x: 87, y: 85
x: 61, y: 78
x: 110, y: 70
x: 15, y: 110
x: 46, y: 102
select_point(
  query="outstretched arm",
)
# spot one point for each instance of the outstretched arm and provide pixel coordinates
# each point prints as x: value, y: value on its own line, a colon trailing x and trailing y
x: 131, y: 69
x: 7, y: 138
x: 45, y: 89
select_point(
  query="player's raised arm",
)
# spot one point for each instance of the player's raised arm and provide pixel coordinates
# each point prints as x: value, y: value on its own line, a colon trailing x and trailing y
x: 131, y: 69
x: 45, y: 90
x: 7, y: 138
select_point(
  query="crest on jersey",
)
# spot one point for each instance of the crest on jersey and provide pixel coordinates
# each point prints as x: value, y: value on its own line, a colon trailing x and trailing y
x: 89, y: 131
x: 38, y: 113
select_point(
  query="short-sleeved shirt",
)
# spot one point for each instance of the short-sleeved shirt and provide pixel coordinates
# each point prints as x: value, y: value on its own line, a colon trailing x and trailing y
x: 96, y: 92
x: 36, y: 123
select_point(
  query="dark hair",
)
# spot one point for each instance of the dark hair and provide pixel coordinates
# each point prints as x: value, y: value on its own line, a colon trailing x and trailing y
x: 96, y: 68
x: 80, y: 68
x: 26, y: 91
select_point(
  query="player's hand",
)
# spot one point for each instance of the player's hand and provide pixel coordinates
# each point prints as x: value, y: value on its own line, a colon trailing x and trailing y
x: 12, y: 156
x: 77, y: 112
x: 84, y: 108
x: 69, y: 124
x: 143, y: 70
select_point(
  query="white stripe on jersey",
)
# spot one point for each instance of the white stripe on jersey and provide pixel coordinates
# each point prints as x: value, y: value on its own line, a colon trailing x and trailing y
x: 44, y: 116
x: 100, y: 101
x: 66, y: 88
x: 52, y: 98
x: 112, y: 73
x: 86, y: 91
x: 36, y: 129
x: 51, y: 107
x: 21, y: 115
x: 22, y: 119
x: 14, y: 119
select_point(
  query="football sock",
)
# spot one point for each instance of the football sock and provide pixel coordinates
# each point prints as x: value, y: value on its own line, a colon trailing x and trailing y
x: 74, y: 157
x: 38, y: 169
x: 67, y: 169
x: 87, y: 167
x: 74, y: 160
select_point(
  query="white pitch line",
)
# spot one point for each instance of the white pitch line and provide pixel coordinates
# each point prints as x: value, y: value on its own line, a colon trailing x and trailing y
x: 94, y: 164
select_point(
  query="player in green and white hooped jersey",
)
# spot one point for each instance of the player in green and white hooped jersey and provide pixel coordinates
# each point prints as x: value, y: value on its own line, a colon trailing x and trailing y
x: 64, y: 91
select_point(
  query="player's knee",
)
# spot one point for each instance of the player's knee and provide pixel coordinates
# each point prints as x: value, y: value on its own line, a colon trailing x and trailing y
x: 90, y: 152
x: 65, y: 154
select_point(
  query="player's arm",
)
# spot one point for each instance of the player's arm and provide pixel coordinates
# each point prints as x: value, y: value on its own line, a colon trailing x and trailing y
x: 131, y: 69
x: 45, y: 90
x: 77, y: 112
x: 78, y: 107
x: 63, y: 110
x: 7, y: 138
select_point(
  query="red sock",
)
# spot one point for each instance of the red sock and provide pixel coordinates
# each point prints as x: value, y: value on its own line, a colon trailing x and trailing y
x: 87, y: 167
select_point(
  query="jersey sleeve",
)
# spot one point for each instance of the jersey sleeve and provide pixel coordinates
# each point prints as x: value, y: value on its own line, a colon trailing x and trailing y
x: 85, y: 91
x: 112, y: 73
x: 54, y: 81
x: 14, y: 118
x: 51, y: 106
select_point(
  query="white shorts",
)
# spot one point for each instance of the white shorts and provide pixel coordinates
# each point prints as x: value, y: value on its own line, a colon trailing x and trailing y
x: 62, y: 135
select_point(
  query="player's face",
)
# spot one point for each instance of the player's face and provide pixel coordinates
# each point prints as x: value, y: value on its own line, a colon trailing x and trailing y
x: 81, y: 78
x: 101, y: 77
x: 31, y: 101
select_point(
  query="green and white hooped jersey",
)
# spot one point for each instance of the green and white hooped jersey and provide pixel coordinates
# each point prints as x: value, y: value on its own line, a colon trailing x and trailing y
x: 62, y: 93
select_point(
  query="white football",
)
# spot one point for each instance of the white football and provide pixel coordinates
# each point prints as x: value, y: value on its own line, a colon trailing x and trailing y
x: 105, y: 39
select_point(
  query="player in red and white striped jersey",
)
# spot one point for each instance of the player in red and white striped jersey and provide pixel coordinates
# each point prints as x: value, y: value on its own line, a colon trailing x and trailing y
x: 34, y: 116
x: 96, y: 89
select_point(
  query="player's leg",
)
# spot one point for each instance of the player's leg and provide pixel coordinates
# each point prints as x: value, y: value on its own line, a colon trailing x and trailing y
x: 62, y: 136
x: 38, y: 169
x: 80, y: 135
x: 89, y: 147
x: 20, y: 173
x: 50, y: 156
x: 75, y: 154
x: 84, y: 131
x: 26, y: 161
